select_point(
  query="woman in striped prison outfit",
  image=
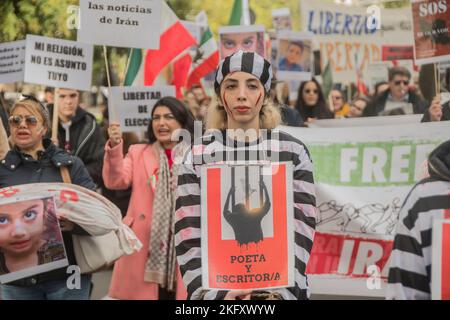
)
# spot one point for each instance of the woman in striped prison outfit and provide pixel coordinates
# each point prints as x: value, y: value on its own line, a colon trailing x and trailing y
x: 242, y: 86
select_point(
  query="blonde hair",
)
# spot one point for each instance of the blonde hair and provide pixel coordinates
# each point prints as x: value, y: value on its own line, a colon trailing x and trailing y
x: 269, y: 116
x: 35, y: 109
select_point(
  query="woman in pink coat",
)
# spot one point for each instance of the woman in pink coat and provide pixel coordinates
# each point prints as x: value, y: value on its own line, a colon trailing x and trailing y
x: 151, y: 273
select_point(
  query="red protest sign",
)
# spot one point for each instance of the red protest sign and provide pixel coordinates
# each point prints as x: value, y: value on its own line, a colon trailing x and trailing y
x: 431, y: 30
x: 247, y: 231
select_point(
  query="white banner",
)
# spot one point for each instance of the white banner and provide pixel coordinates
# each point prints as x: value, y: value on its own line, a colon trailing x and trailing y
x: 120, y: 23
x: 133, y: 105
x: 345, y: 36
x: 12, y: 61
x: 58, y: 63
x: 362, y: 177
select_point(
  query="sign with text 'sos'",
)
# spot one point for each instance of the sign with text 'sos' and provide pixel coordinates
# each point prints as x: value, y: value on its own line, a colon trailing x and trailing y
x: 12, y: 60
x: 58, y: 63
x: 133, y: 105
x: 120, y: 23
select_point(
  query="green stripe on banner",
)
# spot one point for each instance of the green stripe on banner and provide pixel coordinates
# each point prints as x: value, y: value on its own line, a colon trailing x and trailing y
x: 133, y: 67
x: 206, y: 36
x: 370, y: 164
x: 236, y: 13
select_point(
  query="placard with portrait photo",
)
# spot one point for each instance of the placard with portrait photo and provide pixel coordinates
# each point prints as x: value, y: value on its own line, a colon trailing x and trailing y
x: 245, y: 38
x: 281, y: 19
x: 30, y: 237
x: 294, y: 61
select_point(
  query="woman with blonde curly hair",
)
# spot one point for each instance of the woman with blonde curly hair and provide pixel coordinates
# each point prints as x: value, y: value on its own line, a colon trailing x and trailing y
x: 242, y: 121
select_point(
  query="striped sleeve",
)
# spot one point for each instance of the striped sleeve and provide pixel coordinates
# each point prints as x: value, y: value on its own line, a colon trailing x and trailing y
x: 409, y: 276
x: 187, y: 233
x: 304, y: 220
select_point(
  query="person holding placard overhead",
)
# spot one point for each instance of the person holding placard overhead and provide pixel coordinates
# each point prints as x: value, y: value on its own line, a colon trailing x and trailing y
x: 242, y: 85
x: 150, y: 171
x: 35, y: 159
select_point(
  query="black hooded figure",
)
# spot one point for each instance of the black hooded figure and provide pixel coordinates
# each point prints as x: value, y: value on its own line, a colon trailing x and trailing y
x: 246, y: 223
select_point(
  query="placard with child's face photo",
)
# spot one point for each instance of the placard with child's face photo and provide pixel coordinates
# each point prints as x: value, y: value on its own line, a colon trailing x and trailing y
x: 30, y: 238
x: 245, y: 38
x: 294, y: 61
x: 281, y: 19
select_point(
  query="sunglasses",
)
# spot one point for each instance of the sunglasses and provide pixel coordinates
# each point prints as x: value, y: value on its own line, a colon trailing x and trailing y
x: 398, y: 82
x: 15, y: 121
x: 311, y: 91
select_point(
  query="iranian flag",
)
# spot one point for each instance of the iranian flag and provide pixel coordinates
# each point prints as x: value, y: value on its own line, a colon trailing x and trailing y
x: 206, y: 59
x: 240, y: 13
x: 144, y: 66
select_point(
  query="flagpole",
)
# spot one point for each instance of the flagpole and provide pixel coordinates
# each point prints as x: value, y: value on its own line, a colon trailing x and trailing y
x: 55, y: 118
x: 246, y: 12
x: 110, y: 99
x: 127, y: 66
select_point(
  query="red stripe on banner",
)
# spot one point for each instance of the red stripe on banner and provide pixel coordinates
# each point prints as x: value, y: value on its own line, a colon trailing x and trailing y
x: 445, y: 276
x: 203, y: 69
x: 354, y: 255
x: 181, y: 69
x: 172, y: 42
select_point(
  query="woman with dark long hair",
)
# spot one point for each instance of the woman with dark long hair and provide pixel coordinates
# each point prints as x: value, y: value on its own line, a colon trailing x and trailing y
x: 311, y: 102
x: 151, y: 273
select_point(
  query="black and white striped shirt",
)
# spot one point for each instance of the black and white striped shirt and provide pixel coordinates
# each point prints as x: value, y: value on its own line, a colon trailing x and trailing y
x: 276, y: 147
x: 410, y: 264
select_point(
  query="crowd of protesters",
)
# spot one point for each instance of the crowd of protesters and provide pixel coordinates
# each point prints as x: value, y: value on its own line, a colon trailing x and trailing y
x: 141, y: 176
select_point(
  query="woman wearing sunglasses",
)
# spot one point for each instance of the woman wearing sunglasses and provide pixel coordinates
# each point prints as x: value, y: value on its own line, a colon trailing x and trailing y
x: 35, y: 159
x: 311, y: 102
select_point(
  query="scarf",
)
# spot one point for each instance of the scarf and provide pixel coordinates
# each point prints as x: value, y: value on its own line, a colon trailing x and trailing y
x: 161, y: 264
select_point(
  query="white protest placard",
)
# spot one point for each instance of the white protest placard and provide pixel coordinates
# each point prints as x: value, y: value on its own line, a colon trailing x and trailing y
x: 281, y: 19
x: 245, y: 38
x: 294, y: 61
x: 12, y: 61
x: 40, y: 247
x: 120, y: 23
x: 58, y: 63
x: 133, y: 105
x: 350, y: 38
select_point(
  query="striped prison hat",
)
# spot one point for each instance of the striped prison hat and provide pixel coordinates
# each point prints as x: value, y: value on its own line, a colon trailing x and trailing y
x: 249, y: 62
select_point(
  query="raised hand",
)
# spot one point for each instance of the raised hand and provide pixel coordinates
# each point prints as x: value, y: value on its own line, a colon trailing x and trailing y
x: 115, y: 134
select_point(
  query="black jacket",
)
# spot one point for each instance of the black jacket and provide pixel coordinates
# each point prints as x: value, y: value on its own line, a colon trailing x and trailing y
x: 439, y: 162
x: 19, y: 168
x: 445, y: 113
x: 87, y: 142
x: 291, y: 117
x: 378, y: 104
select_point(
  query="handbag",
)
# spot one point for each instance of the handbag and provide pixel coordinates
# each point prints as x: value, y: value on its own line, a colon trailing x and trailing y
x: 94, y: 253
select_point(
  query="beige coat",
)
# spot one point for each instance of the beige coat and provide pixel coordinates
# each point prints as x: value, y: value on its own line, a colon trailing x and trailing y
x: 4, y: 145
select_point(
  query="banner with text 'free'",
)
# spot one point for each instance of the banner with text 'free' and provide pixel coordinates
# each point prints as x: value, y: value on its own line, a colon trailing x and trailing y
x: 362, y: 177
